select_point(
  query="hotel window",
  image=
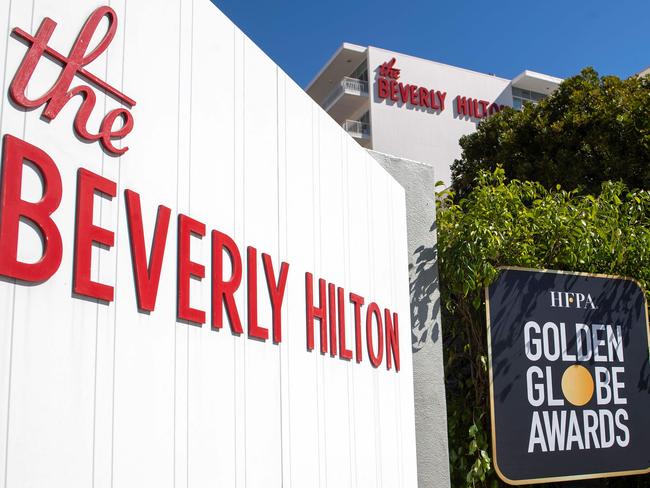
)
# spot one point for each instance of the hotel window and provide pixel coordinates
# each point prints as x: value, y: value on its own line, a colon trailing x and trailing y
x: 365, y: 118
x: 361, y: 73
x: 521, y: 97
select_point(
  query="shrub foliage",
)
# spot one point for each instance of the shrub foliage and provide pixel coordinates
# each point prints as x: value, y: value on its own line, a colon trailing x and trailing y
x: 591, y: 129
x: 520, y: 223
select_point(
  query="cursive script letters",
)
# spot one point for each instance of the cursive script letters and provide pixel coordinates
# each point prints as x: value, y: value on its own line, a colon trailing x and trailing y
x: 387, y: 69
x: 73, y: 65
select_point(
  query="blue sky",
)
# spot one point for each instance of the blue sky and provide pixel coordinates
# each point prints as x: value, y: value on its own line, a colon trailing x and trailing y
x: 557, y: 37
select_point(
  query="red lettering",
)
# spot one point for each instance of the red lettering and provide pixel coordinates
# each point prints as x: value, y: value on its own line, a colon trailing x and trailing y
x: 494, y: 108
x: 461, y: 105
x: 147, y: 276
x: 382, y: 88
x: 393, y: 90
x: 375, y: 358
x: 188, y: 269
x: 345, y: 353
x: 424, y: 97
x: 223, y: 292
x: 441, y: 99
x: 319, y: 312
x: 388, y: 70
x: 476, y: 112
x: 60, y: 93
x: 254, y: 329
x: 107, y: 132
x: 13, y: 207
x: 358, y: 301
x: 413, y: 94
x: 383, y: 69
x: 86, y: 234
x: 484, y: 105
x: 404, y: 92
x: 392, y: 339
x: 276, y: 293
x: 331, y: 289
x: 434, y: 105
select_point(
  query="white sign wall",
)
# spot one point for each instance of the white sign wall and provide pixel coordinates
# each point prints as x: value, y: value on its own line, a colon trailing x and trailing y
x: 97, y: 393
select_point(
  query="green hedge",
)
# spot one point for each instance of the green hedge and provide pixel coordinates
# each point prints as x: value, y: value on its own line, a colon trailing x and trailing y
x: 520, y: 223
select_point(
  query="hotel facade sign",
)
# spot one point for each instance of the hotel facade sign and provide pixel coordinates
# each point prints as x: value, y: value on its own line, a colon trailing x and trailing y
x: 568, y: 375
x: 391, y: 88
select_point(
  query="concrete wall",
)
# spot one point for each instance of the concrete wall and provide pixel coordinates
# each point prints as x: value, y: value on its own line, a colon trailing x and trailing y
x: 418, y: 180
x: 421, y: 134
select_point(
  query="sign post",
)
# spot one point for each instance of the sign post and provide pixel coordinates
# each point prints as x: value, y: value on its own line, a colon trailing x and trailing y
x: 569, y: 376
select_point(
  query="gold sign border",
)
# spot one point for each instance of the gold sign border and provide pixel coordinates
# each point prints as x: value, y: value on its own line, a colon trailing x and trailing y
x: 554, y: 479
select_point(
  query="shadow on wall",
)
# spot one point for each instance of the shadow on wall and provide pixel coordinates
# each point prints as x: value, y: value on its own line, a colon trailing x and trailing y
x: 423, y: 283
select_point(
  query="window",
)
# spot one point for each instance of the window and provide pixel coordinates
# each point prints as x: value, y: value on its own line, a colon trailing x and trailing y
x: 521, y: 97
x: 361, y: 73
x: 365, y: 118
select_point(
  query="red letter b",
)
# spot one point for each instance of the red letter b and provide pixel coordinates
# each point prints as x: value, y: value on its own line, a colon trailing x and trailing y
x: 13, y: 208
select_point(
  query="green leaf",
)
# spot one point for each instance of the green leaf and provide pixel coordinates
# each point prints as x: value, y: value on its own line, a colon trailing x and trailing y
x: 472, y: 447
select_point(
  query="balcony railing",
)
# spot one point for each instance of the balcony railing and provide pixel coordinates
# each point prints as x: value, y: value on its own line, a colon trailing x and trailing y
x: 360, y: 130
x: 354, y: 85
x: 350, y: 86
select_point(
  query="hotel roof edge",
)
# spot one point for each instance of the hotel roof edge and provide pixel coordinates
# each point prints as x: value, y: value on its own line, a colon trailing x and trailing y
x: 534, y: 74
x: 345, y: 45
x: 460, y: 68
x: 537, y: 82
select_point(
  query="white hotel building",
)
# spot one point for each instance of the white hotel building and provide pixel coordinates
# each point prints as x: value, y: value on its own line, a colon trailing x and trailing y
x: 415, y: 108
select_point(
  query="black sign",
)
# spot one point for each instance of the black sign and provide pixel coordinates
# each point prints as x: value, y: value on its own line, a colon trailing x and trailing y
x: 569, y: 376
